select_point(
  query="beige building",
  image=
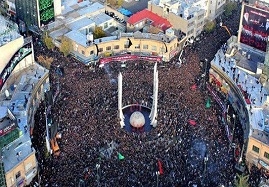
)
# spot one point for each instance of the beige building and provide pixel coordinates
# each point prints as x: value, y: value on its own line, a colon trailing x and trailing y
x: 22, y: 173
x: 165, y: 46
x: 257, y: 152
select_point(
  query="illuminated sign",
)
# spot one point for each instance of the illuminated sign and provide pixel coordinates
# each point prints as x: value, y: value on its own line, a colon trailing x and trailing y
x: 255, y: 27
x: 46, y: 10
x: 7, y: 129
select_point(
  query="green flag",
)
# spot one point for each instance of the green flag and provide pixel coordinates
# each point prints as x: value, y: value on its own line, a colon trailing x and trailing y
x: 120, y: 156
x: 207, y: 105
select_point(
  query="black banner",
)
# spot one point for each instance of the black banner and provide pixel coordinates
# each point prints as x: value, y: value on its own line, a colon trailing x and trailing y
x: 255, y: 27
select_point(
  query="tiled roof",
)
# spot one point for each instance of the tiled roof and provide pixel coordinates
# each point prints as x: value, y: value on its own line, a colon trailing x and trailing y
x: 157, y: 21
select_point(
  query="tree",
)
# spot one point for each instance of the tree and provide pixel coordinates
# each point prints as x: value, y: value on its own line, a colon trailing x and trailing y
x: 241, y: 181
x: 112, y: 3
x: 45, y: 61
x: 98, y: 33
x: 66, y: 46
x: 229, y: 8
x: 210, y: 26
x: 119, y: 3
x: 49, y: 42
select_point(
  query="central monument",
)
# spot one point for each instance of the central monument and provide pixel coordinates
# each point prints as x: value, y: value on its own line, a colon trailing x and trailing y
x: 136, y: 117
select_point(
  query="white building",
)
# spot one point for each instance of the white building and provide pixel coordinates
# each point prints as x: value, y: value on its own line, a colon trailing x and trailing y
x: 187, y: 16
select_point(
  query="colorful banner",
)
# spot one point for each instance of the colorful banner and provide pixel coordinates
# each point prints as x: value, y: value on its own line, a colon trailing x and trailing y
x: 255, y: 27
x: 129, y: 57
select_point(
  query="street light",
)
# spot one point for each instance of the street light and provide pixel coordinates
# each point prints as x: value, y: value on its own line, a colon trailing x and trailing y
x: 226, y: 28
x: 157, y: 174
x: 98, y: 176
x: 233, y: 125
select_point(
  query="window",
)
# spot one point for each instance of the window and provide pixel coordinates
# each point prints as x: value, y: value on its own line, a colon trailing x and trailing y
x: 137, y: 46
x: 100, y: 50
x: 145, y: 46
x: 190, y: 32
x: 91, y: 52
x: 116, y: 47
x: 153, y: 48
x: 266, y: 155
x: 18, y: 174
x: 108, y: 48
x: 191, y: 24
x: 105, y: 25
x: 255, y: 149
x: 83, y: 52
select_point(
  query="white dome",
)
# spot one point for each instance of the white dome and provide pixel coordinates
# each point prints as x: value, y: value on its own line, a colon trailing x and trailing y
x: 137, y: 119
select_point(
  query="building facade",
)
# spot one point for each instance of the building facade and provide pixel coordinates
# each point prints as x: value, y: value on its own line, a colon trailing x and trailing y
x: 214, y: 8
x: 132, y: 43
x: 189, y: 19
x: 36, y: 12
x: 258, y: 151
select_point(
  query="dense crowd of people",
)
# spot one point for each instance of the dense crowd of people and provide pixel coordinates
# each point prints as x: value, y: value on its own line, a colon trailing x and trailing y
x: 87, y: 117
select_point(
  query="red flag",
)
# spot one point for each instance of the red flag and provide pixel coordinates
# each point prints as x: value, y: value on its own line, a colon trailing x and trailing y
x: 160, y: 167
x: 194, y: 87
x: 192, y: 122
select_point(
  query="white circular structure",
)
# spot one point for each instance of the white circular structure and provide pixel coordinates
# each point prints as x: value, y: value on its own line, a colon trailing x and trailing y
x: 137, y: 119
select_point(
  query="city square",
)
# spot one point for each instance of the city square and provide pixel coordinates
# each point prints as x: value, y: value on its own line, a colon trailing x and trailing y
x: 154, y: 100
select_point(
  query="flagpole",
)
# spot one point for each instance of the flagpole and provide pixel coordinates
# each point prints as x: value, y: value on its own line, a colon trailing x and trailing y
x: 98, y: 176
x: 157, y: 174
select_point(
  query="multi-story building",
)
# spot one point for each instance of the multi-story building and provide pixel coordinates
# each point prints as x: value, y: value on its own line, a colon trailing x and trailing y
x: 258, y: 150
x: 37, y: 13
x: 187, y: 17
x: 88, y: 49
x: 214, y: 8
x: 18, y: 163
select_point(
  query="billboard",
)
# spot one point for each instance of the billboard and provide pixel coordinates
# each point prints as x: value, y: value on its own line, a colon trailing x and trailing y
x: 255, y: 27
x: 46, y: 11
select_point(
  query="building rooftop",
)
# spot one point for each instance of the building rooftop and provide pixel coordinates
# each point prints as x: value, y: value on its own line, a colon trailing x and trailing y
x: 78, y: 37
x: 83, y: 22
x: 101, y: 18
x: 58, y: 33
x: 20, y: 88
x: 155, y: 20
x: 183, y: 8
x: 159, y: 37
x: 105, y: 39
x: 260, y: 136
x: 8, y: 31
x: 91, y: 9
